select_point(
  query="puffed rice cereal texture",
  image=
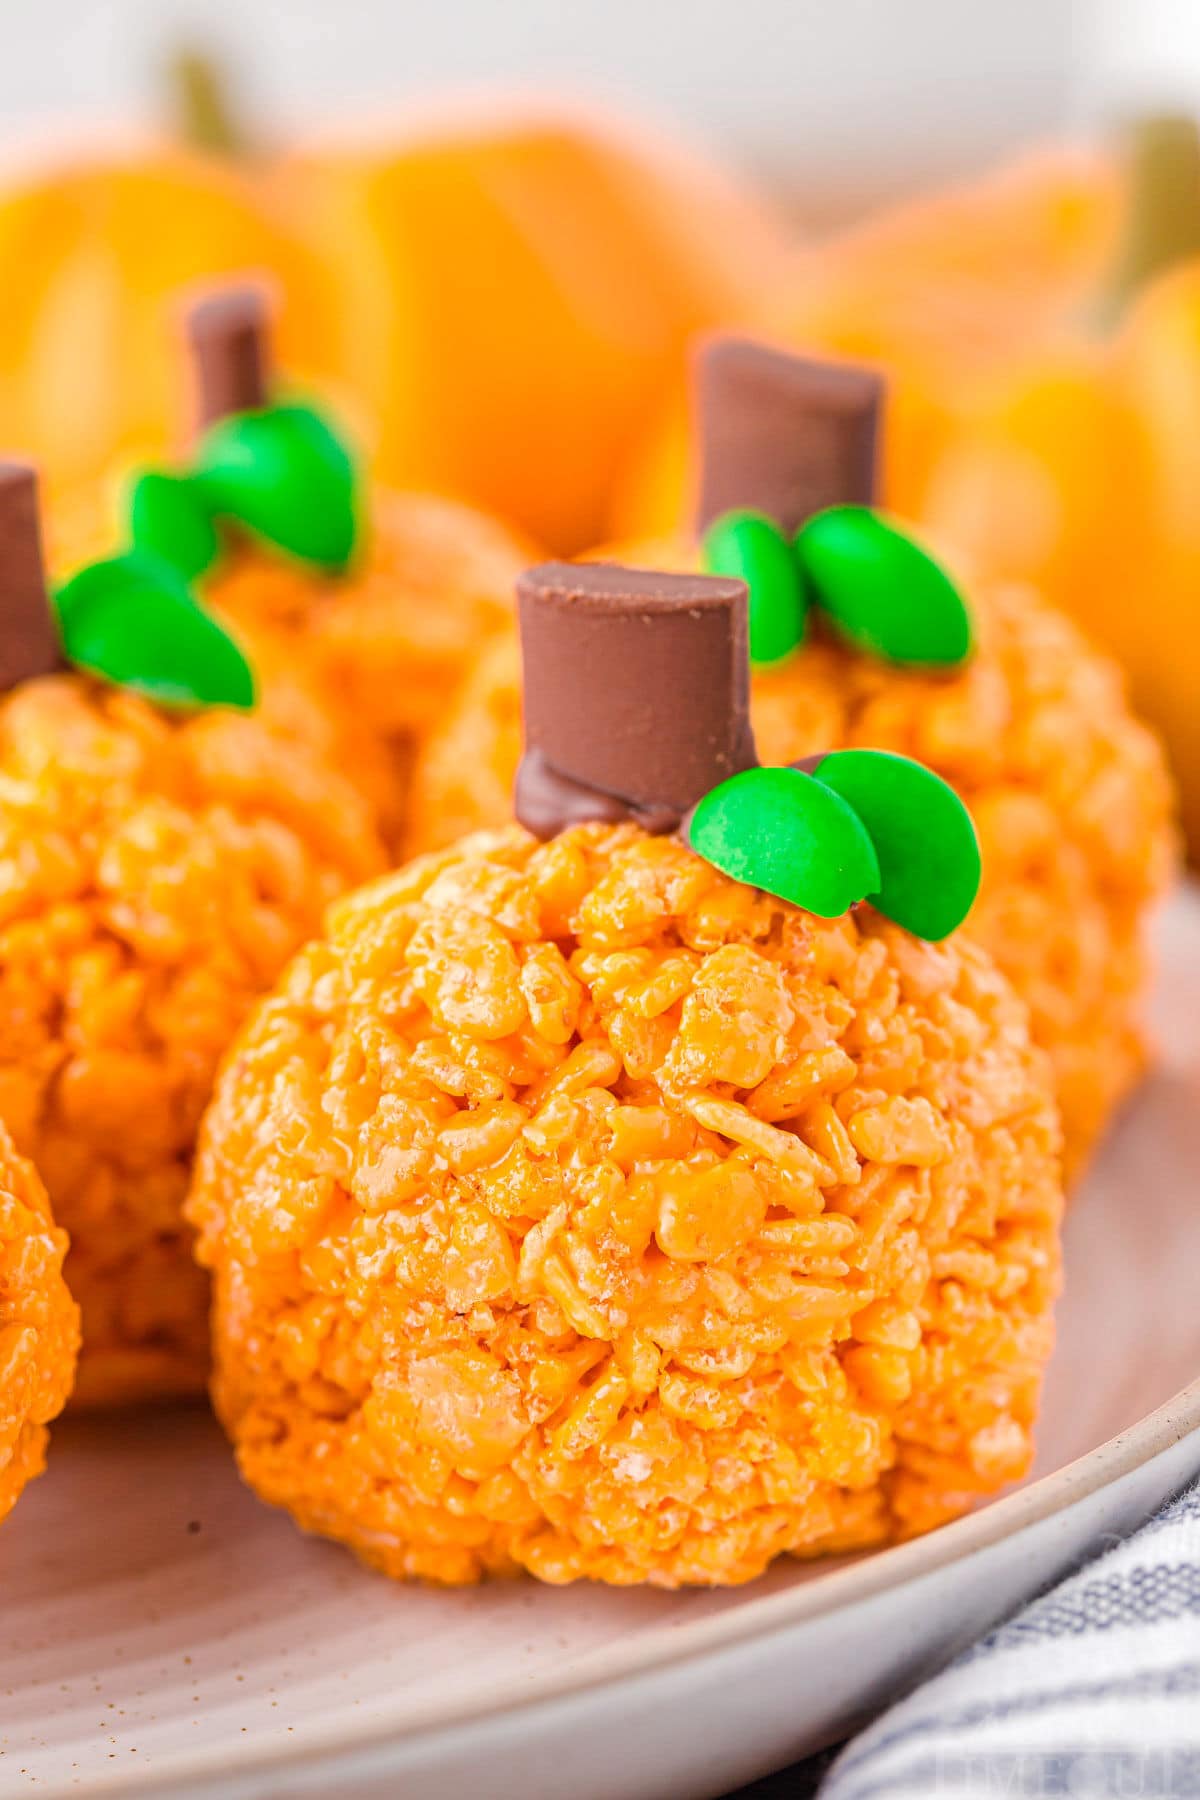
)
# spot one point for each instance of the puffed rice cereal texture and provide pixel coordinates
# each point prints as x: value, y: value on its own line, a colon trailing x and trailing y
x: 1069, y: 793
x: 39, y: 1323
x: 156, y: 874
x: 575, y: 1209
x: 360, y: 666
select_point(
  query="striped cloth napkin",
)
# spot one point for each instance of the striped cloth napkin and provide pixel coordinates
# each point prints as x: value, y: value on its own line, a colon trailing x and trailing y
x: 1092, y: 1692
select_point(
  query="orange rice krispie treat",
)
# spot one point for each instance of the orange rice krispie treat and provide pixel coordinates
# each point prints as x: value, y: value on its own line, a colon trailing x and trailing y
x: 577, y: 1208
x: 374, y: 610
x: 389, y: 644
x: 165, y: 852
x: 39, y: 1323
x: 1023, y: 717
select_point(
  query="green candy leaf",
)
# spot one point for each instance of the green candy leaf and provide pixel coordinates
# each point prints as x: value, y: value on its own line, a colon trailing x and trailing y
x: 780, y: 830
x: 286, y: 476
x: 881, y: 590
x: 929, y: 864
x: 133, y: 621
x: 749, y: 546
x: 169, y: 517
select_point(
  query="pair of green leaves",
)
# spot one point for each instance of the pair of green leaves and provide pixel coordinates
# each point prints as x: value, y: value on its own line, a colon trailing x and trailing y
x: 873, y: 582
x: 858, y: 825
x: 280, y: 473
x: 134, y: 621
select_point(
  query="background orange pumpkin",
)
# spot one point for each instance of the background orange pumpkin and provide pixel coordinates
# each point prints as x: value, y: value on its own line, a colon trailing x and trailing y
x: 512, y: 297
x: 1081, y: 472
x: 1075, y: 463
x: 95, y: 258
x: 1041, y: 333
x: 495, y: 304
x: 938, y: 292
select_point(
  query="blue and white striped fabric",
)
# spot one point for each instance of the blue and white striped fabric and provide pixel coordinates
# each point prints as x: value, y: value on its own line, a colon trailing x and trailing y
x: 1092, y: 1691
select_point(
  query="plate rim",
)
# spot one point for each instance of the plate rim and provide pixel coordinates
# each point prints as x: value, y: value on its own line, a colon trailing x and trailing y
x: 852, y: 1583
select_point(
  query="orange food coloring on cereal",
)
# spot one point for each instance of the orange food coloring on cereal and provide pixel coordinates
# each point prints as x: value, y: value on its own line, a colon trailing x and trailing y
x: 1068, y: 792
x: 158, y: 873
x: 575, y: 1209
x: 39, y: 1323
x: 361, y: 666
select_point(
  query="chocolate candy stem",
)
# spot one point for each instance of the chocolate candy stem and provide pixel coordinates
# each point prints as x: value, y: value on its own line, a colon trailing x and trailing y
x: 780, y: 435
x: 636, y: 694
x: 229, y: 337
x: 29, y: 640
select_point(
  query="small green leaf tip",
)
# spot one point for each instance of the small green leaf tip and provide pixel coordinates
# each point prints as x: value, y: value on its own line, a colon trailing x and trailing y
x: 929, y: 864
x: 169, y: 518
x: 132, y: 621
x: 779, y: 830
x: 285, y: 475
x: 881, y: 590
x: 749, y: 547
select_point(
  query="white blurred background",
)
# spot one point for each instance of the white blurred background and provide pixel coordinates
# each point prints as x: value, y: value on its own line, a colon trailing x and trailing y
x: 847, y: 100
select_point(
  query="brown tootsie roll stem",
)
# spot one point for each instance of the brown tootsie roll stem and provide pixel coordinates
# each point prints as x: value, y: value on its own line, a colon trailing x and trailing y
x: 229, y: 333
x: 637, y: 694
x: 29, y: 639
x: 782, y: 435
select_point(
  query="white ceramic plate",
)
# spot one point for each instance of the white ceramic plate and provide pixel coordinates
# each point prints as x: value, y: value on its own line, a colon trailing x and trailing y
x: 161, y: 1633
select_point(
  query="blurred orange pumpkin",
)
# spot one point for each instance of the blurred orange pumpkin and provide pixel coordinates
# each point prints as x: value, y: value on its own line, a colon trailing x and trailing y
x: 513, y: 296
x: 497, y: 302
x: 1041, y: 332
x: 938, y: 291
x: 94, y: 258
x: 1077, y: 465
x: 1081, y: 471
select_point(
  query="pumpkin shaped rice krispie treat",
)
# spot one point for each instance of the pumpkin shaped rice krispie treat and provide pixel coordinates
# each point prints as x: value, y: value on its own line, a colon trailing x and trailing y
x: 859, y: 638
x: 369, y: 603
x: 39, y: 1324
x: 623, y: 1197
x: 165, y: 851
